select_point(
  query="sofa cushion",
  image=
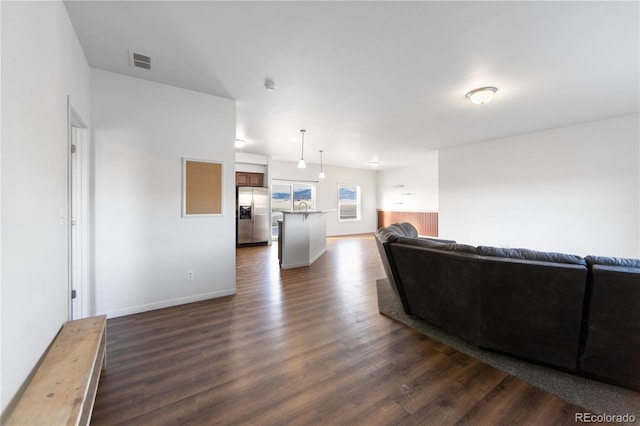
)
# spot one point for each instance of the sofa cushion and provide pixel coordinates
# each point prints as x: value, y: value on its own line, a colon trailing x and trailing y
x: 445, y: 245
x: 390, y: 233
x: 464, y: 248
x: 406, y: 229
x: 613, y: 261
x: 526, y: 254
x: 421, y: 242
x: 438, y: 240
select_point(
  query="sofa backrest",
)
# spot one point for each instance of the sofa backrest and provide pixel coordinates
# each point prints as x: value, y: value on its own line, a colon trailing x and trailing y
x: 612, y: 320
x: 533, y: 308
x: 441, y: 285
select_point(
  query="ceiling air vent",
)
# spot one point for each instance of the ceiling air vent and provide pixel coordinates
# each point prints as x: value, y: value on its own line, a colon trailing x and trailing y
x: 138, y: 60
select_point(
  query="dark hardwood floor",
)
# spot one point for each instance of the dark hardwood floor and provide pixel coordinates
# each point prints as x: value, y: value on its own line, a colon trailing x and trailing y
x: 302, y: 346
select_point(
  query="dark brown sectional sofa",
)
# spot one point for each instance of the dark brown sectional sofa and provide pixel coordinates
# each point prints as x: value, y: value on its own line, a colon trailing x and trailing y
x: 577, y: 314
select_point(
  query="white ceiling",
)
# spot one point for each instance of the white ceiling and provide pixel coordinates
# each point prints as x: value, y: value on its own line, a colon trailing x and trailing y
x: 379, y: 81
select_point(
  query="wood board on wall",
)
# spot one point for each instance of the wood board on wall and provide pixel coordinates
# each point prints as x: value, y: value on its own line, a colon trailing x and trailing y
x: 425, y: 222
x: 202, y: 188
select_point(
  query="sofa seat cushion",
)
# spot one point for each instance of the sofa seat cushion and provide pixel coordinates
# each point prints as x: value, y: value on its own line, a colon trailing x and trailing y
x: 526, y: 254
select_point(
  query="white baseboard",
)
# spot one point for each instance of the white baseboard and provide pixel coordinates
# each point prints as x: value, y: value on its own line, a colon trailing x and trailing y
x: 167, y: 303
x: 294, y: 265
x: 317, y: 256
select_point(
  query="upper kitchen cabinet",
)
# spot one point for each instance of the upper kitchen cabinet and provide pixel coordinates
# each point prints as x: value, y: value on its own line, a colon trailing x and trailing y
x: 249, y: 179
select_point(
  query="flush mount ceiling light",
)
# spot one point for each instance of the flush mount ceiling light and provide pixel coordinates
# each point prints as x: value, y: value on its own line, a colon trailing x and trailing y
x: 240, y: 143
x: 321, y: 175
x: 481, y: 95
x: 301, y: 163
x: 374, y: 164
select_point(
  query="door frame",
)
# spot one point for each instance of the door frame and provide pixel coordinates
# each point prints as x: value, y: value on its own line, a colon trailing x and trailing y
x: 78, y: 183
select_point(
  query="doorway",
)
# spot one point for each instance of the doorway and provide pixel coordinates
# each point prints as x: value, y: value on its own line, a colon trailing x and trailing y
x: 78, y: 183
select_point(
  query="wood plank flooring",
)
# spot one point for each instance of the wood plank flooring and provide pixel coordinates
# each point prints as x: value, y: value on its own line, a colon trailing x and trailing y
x: 302, y: 346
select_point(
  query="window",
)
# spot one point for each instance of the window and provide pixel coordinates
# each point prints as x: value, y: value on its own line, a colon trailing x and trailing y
x: 290, y: 196
x: 348, y: 202
x: 302, y: 197
x: 280, y: 197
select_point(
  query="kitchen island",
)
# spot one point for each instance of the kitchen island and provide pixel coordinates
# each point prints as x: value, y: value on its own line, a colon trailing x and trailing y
x: 302, y: 237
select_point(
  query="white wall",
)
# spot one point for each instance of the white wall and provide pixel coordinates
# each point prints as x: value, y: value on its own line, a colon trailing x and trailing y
x: 42, y: 63
x: 327, y: 193
x: 143, y: 247
x: 574, y: 189
x: 253, y: 163
x: 2, y: 404
x: 409, y: 189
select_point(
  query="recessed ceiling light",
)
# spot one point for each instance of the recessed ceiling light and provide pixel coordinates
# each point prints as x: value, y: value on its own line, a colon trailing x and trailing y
x: 481, y: 95
x: 240, y: 143
x: 374, y: 164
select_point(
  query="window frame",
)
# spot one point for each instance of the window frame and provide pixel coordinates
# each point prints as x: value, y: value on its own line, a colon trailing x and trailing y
x: 292, y: 199
x: 358, y: 203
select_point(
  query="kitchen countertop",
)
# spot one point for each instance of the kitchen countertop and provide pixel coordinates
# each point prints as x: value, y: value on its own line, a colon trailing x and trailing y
x: 307, y: 211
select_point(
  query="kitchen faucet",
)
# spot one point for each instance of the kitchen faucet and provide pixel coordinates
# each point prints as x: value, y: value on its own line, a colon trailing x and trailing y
x: 306, y: 206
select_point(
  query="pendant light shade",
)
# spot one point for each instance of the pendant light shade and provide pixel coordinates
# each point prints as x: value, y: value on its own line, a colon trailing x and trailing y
x: 321, y: 175
x: 301, y: 163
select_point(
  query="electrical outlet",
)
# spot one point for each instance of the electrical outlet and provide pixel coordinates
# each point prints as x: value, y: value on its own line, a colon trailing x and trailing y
x: 189, y: 275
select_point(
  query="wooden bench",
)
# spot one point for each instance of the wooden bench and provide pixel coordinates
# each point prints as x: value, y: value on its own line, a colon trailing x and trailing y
x: 63, y: 388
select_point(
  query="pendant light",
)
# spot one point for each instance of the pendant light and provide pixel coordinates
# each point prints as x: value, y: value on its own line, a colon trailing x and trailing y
x: 301, y: 163
x: 321, y: 175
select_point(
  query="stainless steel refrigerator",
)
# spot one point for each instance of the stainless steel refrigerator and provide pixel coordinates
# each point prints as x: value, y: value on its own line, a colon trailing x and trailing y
x: 253, y: 216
